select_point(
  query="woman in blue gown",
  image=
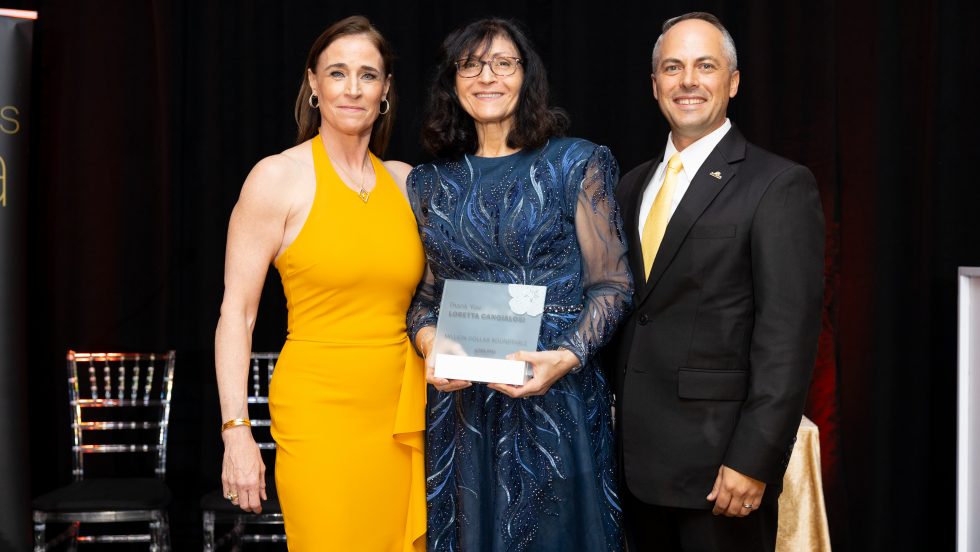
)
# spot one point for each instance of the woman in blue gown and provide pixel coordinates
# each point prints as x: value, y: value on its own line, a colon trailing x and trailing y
x: 510, y: 200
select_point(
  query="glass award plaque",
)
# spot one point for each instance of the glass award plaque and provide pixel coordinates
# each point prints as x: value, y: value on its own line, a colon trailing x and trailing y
x: 480, y: 323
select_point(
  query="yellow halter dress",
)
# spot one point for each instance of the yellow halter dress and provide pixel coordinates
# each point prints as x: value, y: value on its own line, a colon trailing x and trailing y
x: 348, y: 394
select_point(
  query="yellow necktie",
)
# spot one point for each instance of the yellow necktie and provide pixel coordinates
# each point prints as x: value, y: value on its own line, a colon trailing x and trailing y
x: 656, y: 224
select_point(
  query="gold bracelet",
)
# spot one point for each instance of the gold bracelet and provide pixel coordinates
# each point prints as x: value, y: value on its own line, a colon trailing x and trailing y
x: 235, y: 422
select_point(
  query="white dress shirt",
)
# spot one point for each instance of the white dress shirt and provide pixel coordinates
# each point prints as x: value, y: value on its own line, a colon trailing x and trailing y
x: 692, y: 158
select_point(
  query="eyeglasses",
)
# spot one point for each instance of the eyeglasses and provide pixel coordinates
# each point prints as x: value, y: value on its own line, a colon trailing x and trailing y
x: 502, y: 66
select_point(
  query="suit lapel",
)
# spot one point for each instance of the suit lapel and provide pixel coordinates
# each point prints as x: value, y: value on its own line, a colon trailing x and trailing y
x: 704, y: 187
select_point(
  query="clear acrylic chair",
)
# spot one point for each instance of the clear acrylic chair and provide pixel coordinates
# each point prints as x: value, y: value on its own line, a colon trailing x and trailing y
x: 245, y: 527
x: 120, y: 408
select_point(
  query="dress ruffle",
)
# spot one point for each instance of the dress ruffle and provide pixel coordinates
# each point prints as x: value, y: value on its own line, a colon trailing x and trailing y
x: 409, y: 430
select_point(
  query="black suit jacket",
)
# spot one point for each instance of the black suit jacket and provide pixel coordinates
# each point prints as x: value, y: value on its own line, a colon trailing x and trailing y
x: 713, y: 365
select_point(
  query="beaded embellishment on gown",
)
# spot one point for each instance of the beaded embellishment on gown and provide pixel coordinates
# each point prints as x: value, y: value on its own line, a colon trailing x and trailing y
x: 535, y: 473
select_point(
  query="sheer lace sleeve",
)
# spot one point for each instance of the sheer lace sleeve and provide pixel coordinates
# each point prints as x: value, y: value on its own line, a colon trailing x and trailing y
x: 425, y: 305
x: 424, y: 309
x: 607, y: 284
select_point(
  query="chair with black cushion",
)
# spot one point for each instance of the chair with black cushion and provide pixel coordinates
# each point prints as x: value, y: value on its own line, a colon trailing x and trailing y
x: 246, y: 527
x: 120, y: 408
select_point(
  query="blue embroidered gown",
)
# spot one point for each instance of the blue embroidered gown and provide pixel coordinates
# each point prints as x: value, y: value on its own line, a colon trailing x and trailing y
x: 535, y: 473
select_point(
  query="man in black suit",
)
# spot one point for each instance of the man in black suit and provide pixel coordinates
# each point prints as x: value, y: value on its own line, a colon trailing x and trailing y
x: 714, y: 363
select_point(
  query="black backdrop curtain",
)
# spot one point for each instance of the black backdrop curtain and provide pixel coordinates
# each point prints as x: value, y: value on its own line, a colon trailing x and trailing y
x: 148, y: 115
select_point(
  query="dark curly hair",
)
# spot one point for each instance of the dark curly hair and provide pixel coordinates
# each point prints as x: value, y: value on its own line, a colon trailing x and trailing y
x: 449, y: 132
x: 308, y: 118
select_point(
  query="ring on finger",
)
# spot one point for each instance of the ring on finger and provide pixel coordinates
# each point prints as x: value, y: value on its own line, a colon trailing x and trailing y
x: 747, y: 506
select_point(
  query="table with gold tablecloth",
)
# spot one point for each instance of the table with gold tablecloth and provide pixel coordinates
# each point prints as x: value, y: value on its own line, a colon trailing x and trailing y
x: 802, y: 515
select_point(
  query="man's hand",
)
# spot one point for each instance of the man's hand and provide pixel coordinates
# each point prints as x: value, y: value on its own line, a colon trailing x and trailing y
x: 735, y: 494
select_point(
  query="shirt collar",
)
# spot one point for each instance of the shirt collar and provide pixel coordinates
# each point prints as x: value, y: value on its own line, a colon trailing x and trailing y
x: 694, y: 155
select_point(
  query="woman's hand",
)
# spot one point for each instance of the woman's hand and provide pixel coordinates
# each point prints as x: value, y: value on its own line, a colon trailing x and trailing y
x: 548, y: 367
x: 425, y: 339
x: 242, y: 471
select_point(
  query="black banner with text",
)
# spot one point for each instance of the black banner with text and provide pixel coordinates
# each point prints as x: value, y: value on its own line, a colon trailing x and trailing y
x: 16, y: 37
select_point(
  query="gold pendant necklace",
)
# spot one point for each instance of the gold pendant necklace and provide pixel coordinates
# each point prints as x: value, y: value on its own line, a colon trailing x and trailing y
x: 361, y: 193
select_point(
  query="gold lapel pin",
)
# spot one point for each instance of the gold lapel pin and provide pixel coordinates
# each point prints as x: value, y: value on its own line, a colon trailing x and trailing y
x: 716, y: 174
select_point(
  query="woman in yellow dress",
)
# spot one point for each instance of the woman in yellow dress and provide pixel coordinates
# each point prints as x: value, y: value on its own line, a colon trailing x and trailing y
x: 347, y: 397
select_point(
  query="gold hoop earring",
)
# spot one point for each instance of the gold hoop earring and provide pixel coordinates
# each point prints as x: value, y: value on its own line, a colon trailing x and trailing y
x: 313, y: 96
x: 387, y: 105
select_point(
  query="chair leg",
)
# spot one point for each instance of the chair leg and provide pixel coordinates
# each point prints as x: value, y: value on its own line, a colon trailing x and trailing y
x: 165, y: 532
x: 39, y: 527
x: 236, y: 532
x: 73, y: 534
x: 41, y: 542
x: 208, y: 520
x: 155, y: 533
